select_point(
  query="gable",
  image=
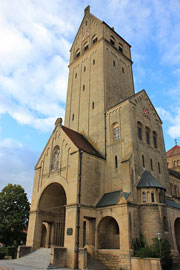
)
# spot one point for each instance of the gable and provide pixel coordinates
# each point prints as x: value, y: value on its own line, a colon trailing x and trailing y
x: 148, y: 111
x: 87, y: 29
x: 57, y: 138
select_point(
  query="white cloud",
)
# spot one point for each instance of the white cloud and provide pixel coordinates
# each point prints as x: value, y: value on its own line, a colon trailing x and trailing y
x: 16, y: 164
x: 34, y: 52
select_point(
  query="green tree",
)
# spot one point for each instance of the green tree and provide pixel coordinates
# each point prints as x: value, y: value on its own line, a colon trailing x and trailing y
x: 14, y: 213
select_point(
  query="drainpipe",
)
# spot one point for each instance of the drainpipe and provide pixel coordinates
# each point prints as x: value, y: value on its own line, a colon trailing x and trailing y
x: 105, y: 130
x: 78, y: 209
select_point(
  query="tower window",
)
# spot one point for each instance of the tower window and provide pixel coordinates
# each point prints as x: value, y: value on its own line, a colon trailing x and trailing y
x: 159, y: 168
x: 86, y: 47
x: 114, y: 63
x: 120, y: 49
x: 143, y: 161
x: 93, y: 105
x: 84, y: 68
x: 95, y: 40
x: 112, y: 40
x: 116, y: 133
x: 155, y: 139
x: 147, y: 132
x: 94, y: 61
x: 83, y: 87
x: 86, y: 22
x: 139, y: 130
x: 143, y: 197
x: 151, y: 164
x: 75, y: 75
x: 116, y: 162
x: 78, y: 53
x: 73, y: 117
x: 152, y: 196
x: 122, y: 69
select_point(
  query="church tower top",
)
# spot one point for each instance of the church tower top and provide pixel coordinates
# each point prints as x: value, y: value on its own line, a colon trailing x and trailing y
x: 87, y: 10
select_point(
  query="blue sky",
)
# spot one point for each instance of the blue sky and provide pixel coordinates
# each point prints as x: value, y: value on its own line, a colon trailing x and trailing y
x: 34, y: 52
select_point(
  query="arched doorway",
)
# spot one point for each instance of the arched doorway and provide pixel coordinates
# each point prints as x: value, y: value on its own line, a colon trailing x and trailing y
x: 52, y: 215
x: 177, y: 232
x: 108, y: 234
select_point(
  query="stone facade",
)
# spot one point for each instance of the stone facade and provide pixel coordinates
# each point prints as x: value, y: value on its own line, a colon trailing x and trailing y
x: 103, y: 177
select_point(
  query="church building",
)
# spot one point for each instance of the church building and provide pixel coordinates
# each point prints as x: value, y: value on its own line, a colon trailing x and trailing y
x: 103, y: 178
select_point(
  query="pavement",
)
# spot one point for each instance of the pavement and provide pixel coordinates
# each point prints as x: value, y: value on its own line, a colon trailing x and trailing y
x: 37, y: 260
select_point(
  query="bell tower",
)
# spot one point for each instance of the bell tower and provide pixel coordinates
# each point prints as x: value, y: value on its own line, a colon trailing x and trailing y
x: 100, y: 76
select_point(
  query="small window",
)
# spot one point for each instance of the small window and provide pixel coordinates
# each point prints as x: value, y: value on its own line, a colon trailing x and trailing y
x: 78, y: 53
x: 116, y: 133
x: 159, y: 168
x: 151, y: 164
x: 155, y: 139
x: 94, y: 61
x: 73, y: 117
x: 116, y: 162
x: 147, y: 132
x: 152, y: 197
x: 86, y: 47
x: 84, y: 87
x: 122, y: 69
x: 95, y: 40
x: 93, y: 105
x: 139, y: 130
x: 143, y: 161
x: 144, y: 197
x: 75, y: 75
x: 114, y: 63
x: 84, y: 68
x: 120, y: 49
x: 86, y: 22
x: 112, y: 40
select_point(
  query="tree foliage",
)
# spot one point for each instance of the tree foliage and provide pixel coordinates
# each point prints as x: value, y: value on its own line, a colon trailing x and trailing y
x: 14, y: 213
x: 142, y: 250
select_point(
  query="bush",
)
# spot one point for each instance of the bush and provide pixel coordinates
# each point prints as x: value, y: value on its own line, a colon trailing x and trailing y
x: 142, y: 250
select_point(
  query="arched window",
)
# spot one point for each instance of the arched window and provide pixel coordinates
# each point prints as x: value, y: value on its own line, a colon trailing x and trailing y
x: 77, y: 54
x: 93, y: 105
x: 151, y: 164
x: 139, y: 130
x: 73, y: 117
x: 165, y: 224
x: 94, y: 39
x: 147, y: 133
x: 86, y: 46
x: 112, y: 40
x: 55, y: 158
x: 155, y: 139
x: 159, y: 168
x: 116, y: 132
x: 152, y: 197
x: 120, y: 47
x: 116, y: 162
x: 143, y: 161
x: 144, y: 197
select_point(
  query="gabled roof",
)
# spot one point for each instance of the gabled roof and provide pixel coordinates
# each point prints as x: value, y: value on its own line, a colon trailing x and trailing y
x: 173, y: 151
x: 111, y: 198
x: 174, y: 173
x: 172, y: 203
x: 148, y: 181
x: 81, y: 142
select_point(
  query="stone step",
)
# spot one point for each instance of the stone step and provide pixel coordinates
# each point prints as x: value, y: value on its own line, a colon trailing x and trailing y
x: 94, y: 264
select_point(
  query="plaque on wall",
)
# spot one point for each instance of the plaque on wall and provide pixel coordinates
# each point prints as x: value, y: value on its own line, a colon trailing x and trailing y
x: 69, y: 231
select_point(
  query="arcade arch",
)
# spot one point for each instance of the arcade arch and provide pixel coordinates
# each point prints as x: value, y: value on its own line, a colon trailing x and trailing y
x: 108, y: 234
x: 52, y: 213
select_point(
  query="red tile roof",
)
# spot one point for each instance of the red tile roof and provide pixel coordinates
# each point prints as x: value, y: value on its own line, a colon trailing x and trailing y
x: 173, y: 151
x: 80, y: 141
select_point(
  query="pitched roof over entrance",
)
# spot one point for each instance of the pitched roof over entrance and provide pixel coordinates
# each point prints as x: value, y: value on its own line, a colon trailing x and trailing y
x: 147, y: 181
x: 111, y: 198
x: 173, y: 151
x: 81, y: 142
